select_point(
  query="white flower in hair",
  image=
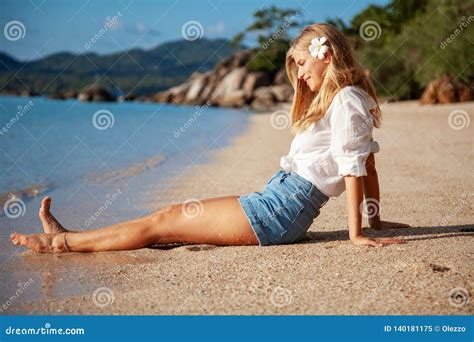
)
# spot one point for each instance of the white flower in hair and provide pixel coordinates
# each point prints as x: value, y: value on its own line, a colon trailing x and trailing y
x: 317, y: 49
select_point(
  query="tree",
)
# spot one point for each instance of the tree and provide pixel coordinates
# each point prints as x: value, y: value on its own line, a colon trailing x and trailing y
x: 272, y: 26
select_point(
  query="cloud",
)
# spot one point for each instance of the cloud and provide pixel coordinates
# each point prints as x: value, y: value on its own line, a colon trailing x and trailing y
x: 217, y: 28
x: 136, y: 29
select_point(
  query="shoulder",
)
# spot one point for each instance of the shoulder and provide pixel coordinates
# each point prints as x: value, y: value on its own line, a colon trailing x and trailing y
x: 353, y: 99
x: 352, y: 94
x: 351, y: 104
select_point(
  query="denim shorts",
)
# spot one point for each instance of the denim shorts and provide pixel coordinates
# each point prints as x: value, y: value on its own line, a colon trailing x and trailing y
x: 283, y: 212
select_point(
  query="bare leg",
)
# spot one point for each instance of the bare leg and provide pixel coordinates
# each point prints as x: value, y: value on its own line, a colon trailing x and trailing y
x: 219, y: 221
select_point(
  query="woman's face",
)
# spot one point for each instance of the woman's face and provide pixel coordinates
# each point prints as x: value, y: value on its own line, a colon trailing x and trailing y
x: 310, y: 69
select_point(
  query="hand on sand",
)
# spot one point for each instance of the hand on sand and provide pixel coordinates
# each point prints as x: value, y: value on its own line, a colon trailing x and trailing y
x: 365, y: 241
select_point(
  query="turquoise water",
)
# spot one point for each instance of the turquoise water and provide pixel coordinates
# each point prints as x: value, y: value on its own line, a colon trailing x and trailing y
x: 88, y: 156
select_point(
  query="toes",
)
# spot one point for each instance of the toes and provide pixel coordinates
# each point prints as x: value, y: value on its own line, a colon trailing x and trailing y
x: 19, y: 239
x: 45, y: 205
x: 14, y: 238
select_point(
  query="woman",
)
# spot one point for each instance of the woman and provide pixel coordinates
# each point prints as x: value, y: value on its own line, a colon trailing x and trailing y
x: 333, y: 113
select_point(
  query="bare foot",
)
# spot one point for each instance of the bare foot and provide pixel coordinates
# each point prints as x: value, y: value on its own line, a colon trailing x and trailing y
x: 50, y: 224
x: 40, y: 243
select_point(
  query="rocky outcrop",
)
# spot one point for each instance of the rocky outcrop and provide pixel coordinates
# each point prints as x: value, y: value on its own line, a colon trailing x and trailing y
x: 91, y: 93
x: 447, y: 90
x: 70, y: 94
x: 231, y: 84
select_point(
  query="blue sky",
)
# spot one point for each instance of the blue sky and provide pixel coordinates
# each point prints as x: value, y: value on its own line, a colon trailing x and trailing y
x: 60, y: 25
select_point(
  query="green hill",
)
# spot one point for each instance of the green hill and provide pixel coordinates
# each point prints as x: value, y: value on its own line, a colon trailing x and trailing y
x: 136, y: 70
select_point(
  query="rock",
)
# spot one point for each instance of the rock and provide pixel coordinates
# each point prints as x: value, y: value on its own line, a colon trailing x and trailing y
x: 446, y: 90
x: 198, y: 83
x: 281, y: 77
x: 127, y: 97
x: 212, y: 82
x: 263, y: 99
x: 56, y: 96
x: 70, y: 94
x: 28, y: 92
x: 283, y: 92
x: 230, y: 83
x: 465, y: 92
x: 92, y: 93
x: 178, y: 93
x: 174, y: 95
x: 163, y: 97
x: 256, y: 80
x: 237, y: 60
x: 237, y: 98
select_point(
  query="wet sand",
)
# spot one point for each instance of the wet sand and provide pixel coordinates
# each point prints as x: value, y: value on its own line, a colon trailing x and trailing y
x: 425, y: 170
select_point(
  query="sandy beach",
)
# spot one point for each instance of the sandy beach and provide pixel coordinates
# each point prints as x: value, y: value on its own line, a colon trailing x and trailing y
x: 425, y: 171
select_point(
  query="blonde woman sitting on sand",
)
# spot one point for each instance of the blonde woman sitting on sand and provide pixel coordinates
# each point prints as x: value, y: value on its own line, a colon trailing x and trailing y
x: 333, y: 114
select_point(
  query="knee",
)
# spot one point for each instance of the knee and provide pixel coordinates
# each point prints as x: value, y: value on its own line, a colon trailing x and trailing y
x: 165, y: 216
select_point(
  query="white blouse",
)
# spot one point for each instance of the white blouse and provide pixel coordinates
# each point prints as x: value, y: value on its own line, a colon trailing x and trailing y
x: 337, y: 145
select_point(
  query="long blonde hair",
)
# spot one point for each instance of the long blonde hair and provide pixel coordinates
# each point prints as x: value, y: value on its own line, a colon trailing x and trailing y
x: 343, y: 70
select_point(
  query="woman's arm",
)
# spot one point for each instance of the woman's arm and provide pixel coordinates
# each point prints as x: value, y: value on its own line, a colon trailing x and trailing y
x: 354, y: 191
x: 372, y: 192
x: 372, y: 197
